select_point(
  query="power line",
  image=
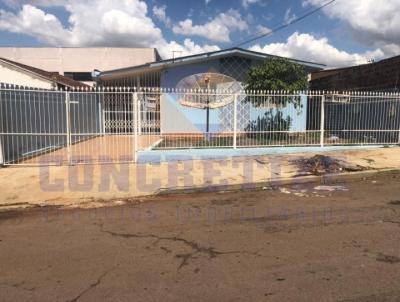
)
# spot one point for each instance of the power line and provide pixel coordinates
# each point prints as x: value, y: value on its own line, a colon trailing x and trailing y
x: 287, y: 24
x: 268, y: 31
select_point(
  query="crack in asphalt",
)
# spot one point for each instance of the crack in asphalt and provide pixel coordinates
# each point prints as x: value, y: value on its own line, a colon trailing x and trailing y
x: 392, y: 221
x: 90, y: 287
x: 22, y: 286
x: 379, y: 296
x: 186, y: 257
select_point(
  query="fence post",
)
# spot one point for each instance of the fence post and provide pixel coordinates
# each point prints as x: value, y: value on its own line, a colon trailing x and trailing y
x: 139, y: 114
x: 135, y: 124
x: 235, y: 121
x: 67, y: 118
x: 102, y: 105
x: 398, y: 142
x: 322, y: 141
x: 397, y: 113
x: 1, y: 153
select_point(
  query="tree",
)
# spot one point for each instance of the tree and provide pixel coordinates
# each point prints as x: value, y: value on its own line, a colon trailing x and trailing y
x: 274, y: 74
x: 277, y: 74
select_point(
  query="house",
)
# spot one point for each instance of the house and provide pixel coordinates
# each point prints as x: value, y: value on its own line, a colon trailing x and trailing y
x: 79, y: 63
x: 224, y: 68
x: 379, y: 76
x: 14, y: 73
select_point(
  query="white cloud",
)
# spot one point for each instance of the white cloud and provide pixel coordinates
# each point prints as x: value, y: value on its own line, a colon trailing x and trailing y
x: 187, y: 48
x: 262, y: 30
x: 92, y: 23
x: 44, y: 3
x: 307, y: 47
x: 289, y: 17
x: 218, y: 29
x: 160, y: 13
x: 95, y: 23
x: 247, y: 3
x: 373, y: 23
x: 46, y: 27
x: 100, y: 22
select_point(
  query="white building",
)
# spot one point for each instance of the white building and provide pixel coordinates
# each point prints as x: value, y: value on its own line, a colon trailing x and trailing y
x: 14, y: 73
x: 78, y: 63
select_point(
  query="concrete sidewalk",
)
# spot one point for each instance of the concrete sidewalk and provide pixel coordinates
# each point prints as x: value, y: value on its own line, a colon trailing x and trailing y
x: 96, y: 185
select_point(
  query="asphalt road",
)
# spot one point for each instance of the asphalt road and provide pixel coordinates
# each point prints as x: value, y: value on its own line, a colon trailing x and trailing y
x: 279, y: 244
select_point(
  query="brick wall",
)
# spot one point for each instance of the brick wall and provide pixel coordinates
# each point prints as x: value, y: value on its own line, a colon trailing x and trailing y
x: 380, y: 76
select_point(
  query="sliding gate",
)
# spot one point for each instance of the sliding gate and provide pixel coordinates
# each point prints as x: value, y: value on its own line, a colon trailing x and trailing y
x: 45, y: 127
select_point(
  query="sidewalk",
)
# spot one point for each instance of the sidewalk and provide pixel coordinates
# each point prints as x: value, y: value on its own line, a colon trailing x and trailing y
x: 96, y: 185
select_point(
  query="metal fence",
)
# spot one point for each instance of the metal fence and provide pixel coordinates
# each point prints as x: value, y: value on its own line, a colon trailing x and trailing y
x: 112, y: 125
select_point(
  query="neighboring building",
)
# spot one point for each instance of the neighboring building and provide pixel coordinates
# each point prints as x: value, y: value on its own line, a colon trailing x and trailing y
x: 15, y: 73
x: 348, y: 117
x: 380, y: 76
x: 190, y: 72
x: 79, y: 63
x: 38, y: 111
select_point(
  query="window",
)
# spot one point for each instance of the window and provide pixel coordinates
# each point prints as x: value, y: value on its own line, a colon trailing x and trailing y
x: 79, y: 76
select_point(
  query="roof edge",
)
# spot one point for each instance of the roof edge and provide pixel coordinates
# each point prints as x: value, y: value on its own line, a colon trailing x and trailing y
x: 158, y: 65
x: 43, y: 74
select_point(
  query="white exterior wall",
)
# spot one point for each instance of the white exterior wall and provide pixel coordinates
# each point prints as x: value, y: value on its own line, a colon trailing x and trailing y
x: 15, y: 76
x: 78, y: 59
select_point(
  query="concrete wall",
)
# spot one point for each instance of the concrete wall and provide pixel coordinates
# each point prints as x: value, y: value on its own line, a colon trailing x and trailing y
x: 15, y: 76
x: 78, y: 59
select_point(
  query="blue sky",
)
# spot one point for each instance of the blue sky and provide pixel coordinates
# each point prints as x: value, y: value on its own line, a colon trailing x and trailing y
x: 268, y: 13
x: 345, y: 33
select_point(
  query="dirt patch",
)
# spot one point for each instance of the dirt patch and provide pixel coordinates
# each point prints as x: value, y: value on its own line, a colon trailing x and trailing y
x: 394, y: 203
x: 322, y: 164
x: 369, y: 160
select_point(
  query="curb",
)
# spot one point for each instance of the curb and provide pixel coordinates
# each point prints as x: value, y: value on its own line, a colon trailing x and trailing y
x: 323, y: 179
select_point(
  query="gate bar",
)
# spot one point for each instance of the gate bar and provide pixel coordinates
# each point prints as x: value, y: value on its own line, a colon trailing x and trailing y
x: 135, y: 124
x: 322, y: 141
x: 67, y: 118
x: 1, y: 154
x: 235, y: 121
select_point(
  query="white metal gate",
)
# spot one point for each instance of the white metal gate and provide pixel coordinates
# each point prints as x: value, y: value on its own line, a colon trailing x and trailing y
x: 44, y: 127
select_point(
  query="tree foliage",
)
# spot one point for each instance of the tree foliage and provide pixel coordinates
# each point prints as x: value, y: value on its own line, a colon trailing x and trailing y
x: 274, y: 74
x: 270, y: 126
x: 277, y: 74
